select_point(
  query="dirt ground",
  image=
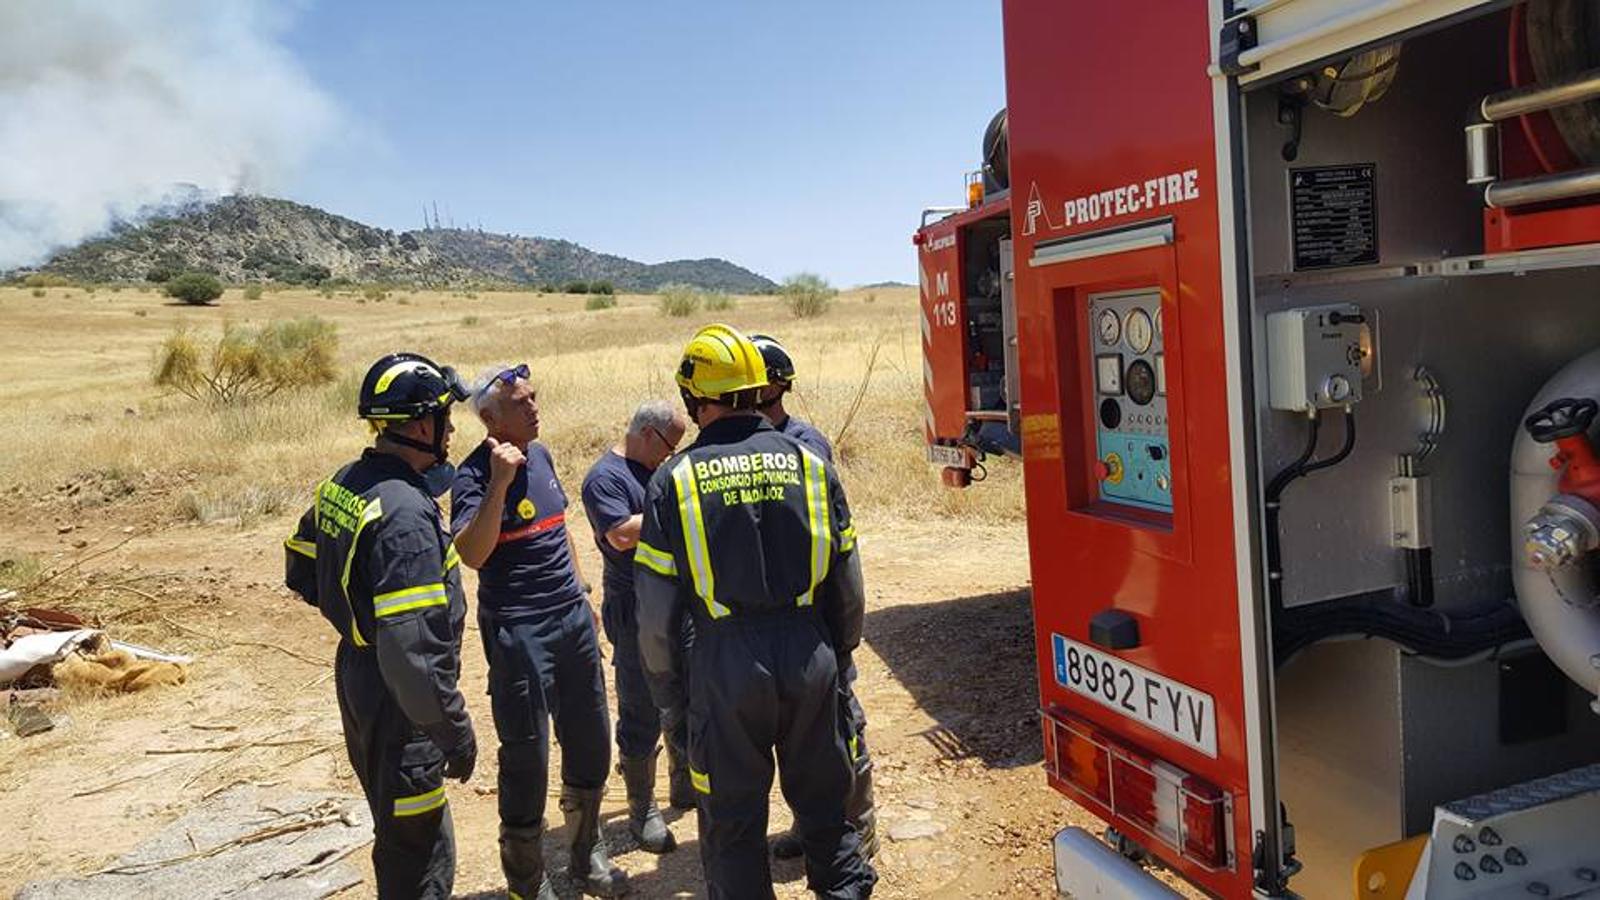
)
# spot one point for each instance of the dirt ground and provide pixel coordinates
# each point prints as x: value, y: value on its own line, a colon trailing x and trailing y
x: 946, y: 677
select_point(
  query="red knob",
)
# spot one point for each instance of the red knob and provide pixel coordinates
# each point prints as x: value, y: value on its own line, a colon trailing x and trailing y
x: 1101, y: 470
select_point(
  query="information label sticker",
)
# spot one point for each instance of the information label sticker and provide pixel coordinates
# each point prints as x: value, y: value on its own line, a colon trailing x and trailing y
x: 1333, y: 215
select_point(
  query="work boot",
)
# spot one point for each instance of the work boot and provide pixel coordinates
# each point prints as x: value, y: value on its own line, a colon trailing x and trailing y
x: 644, y: 817
x: 591, y: 868
x: 522, y: 858
x: 680, y: 788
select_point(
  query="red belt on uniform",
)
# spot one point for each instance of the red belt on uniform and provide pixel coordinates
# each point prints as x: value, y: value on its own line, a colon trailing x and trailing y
x: 533, y: 528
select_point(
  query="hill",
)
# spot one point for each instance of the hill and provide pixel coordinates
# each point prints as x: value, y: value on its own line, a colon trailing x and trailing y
x: 245, y: 239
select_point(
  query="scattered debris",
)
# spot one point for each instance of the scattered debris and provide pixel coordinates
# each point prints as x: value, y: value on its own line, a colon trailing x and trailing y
x: 27, y: 721
x: 42, y: 650
x: 30, y: 651
x: 245, y: 842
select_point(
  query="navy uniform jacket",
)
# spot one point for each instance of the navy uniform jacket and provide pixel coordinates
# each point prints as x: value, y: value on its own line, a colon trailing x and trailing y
x: 373, y: 556
x: 807, y: 434
x: 530, y: 569
x: 746, y: 521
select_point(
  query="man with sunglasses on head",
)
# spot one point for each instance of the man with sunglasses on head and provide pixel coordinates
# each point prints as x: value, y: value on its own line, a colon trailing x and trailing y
x: 613, y: 498
x: 373, y: 556
x: 508, y: 511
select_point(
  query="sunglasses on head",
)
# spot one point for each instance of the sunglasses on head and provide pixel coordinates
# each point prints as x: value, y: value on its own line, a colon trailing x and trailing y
x: 510, y: 376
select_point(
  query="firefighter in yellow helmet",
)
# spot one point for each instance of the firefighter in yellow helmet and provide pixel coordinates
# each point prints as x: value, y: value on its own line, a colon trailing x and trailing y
x: 748, y: 532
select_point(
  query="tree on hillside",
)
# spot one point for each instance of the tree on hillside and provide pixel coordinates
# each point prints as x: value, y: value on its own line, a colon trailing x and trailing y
x: 194, y: 288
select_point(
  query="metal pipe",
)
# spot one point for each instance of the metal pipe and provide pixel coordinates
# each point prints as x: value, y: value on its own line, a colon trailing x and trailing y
x: 987, y: 415
x: 1543, y: 188
x: 940, y: 211
x: 1559, y: 605
x: 1561, y: 92
x: 1482, y: 150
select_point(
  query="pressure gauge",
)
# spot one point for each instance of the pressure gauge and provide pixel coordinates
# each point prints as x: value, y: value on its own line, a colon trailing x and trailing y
x: 1110, y: 327
x: 1140, y: 331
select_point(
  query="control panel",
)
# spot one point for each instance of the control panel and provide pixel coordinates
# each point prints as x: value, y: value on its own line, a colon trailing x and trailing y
x: 1314, y: 357
x: 1133, y: 463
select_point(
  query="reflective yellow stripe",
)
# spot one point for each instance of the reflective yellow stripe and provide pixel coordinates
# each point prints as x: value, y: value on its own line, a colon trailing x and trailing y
x: 308, y: 549
x: 451, y: 558
x: 393, y: 603
x: 372, y: 512
x: 655, y: 560
x: 855, y: 747
x: 847, y: 538
x: 393, y: 372
x: 419, y: 804
x: 701, y: 781
x: 694, y: 537
x: 816, y: 485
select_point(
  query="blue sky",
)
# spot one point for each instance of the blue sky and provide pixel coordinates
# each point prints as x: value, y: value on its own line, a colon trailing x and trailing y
x: 782, y: 136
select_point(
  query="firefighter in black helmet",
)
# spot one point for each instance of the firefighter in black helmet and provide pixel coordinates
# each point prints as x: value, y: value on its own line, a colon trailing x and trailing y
x: 749, y: 532
x: 372, y: 554
x: 860, y: 808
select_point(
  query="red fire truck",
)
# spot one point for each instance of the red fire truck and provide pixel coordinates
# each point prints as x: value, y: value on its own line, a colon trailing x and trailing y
x: 1278, y: 654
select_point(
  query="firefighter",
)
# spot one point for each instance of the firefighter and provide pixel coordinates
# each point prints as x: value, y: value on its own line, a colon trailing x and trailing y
x: 748, y: 532
x: 613, y: 498
x: 372, y: 554
x: 508, y: 511
x: 860, y: 807
x: 780, y: 380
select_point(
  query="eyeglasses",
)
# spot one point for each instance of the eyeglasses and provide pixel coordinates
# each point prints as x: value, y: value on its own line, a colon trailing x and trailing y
x: 508, y: 377
x: 672, y: 446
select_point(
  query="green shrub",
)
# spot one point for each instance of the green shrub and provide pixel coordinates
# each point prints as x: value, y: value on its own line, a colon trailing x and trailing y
x: 252, y: 292
x: 602, y: 287
x: 375, y: 293
x: 194, y: 288
x: 600, y: 301
x: 807, y: 294
x: 46, y: 280
x: 680, y: 300
x: 38, y: 292
x: 576, y: 287
x: 161, y: 273
x: 719, y: 301
x: 470, y: 321
x: 247, y: 364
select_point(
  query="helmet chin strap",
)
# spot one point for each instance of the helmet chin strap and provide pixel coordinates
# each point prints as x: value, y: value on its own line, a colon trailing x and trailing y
x: 436, y: 448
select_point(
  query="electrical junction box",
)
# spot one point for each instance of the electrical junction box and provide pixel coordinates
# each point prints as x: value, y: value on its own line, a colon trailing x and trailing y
x: 1314, y: 357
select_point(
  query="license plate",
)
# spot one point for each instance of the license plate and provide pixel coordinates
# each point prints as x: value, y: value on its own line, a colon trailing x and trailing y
x: 941, y: 455
x: 1171, y: 707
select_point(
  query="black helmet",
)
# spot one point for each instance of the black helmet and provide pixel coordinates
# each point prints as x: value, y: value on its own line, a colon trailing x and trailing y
x: 779, y: 366
x: 405, y: 386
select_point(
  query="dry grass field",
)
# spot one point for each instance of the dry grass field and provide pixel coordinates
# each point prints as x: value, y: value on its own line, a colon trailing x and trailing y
x: 163, y: 516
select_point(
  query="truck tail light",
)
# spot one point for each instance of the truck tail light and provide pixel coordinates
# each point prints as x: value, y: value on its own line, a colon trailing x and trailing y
x: 1171, y: 807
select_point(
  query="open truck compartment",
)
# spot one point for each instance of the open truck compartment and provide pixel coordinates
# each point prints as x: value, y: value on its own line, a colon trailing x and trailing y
x: 1307, y: 360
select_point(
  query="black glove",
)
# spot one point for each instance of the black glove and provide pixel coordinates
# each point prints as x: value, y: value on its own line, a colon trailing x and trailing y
x: 463, y: 760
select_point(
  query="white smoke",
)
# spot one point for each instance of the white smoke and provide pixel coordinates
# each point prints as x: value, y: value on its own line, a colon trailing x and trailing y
x: 110, y: 107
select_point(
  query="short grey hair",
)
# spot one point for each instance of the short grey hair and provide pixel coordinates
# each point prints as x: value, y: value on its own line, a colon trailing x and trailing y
x: 657, y: 414
x: 486, y: 387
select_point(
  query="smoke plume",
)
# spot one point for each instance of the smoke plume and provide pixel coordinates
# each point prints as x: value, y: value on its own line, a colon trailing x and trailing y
x: 109, y: 109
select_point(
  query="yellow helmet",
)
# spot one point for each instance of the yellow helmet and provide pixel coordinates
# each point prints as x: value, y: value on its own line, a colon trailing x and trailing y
x: 719, y: 361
